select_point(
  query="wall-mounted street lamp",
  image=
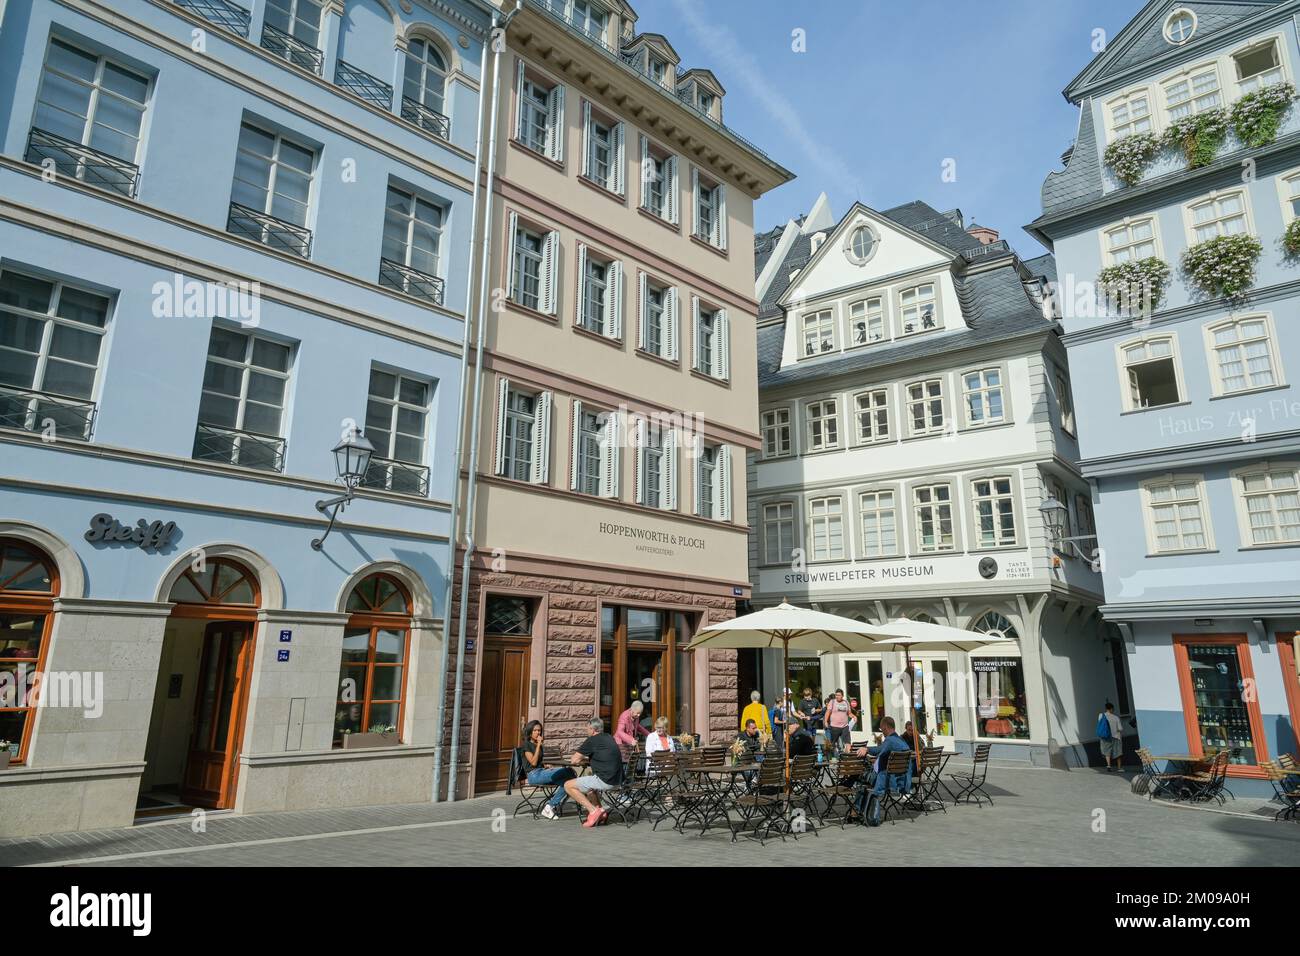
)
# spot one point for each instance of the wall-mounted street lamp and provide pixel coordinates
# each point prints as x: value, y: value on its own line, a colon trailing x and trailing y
x: 351, y: 461
x: 1055, y: 514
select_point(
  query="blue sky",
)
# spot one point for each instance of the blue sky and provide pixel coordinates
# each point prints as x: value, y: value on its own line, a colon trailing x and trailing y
x: 889, y: 89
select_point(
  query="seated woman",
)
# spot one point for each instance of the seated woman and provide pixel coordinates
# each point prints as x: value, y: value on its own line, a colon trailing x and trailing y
x: 537, y: 775
x: 659, y: 740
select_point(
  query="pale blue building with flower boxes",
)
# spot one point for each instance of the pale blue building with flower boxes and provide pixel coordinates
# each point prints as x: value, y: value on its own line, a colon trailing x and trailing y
x: 233, y: 241
x: 1189, y: 426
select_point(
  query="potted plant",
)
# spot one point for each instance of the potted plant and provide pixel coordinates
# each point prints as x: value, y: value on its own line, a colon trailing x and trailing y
x: 1136, y: 286
x: 1291, y: 239
x: 1199, y: 136
x: 379, y: 735
x: 1257, y: 117
x: 1223, y: 266
x: 1129, y: 157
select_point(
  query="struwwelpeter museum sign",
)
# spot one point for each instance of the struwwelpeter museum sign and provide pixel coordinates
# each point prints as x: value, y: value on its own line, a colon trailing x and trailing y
x: 937, y: 571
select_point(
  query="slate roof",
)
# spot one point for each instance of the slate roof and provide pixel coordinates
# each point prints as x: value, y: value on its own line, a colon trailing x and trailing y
x: 1044, y: 265
x: 1080, y: 181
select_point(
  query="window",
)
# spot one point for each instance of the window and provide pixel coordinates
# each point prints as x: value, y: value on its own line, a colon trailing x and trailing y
x: 1064, y: 402
x: 1270, y: 499
x: 271, y: 191
x: 826, y: 528
x: 50, y: 338
x: 1131, y: 240
x: 712, y: 481
x: 1290, y: 189
x: 523, y: 436
x: 425, y: 81
x: 532, y: 266
x: 642, y: 657
x: 710, y: 204
x: 595, y: 445
x: 372, y: 674
x: 508, y: 616
x: 983, y: 389
x: 1150, y: 367
x: 995, y: 512
x: 932, y: 518
x: 861, y: 244
x: 539, y: 115
x: 658, y: 314
x: 291, y: 30
x: 1087, y: 520
x: 600, y: 294
x: 1130, y: 113
x: 1176, y: 517
x: 397, y: 411
x: 818, y: 332
x: 1057, y: 490
x: 1193, y: 92
x: 602, y: 152
x: 823, y: 424
x: 412, y: 238
x: 778, y: 532
x: 916, y: 309
x: 867, y: 321
x: 925, y: 406
x: 1001, y: 709
x: 775, y: 426
x: 1243, y: 357
x: 1258, y: 67
x: 706, y: 102
x: 878, y: 513
x: 658, y: 69
x: 1179, y: 26
x: 28, y: 586
x: 1214, y: 678
x: 872, y: 410
x: 658, y: 182
x: 1219, y: 215
x: 91, y: 101
x: 656, y: 465
x: 712, y: 341
x: 588, y: 17
x: 241, y: 406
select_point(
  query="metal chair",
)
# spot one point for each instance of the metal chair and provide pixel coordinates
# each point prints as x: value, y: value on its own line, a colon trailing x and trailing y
x: 845, y: 783
x: 1158, y: 782
x: 972, y: 784
x: 803, y: 791
x: 532, y: 797
x: 898, y: 765
x: 762, y: 805
x: 925, y: 790
x: 1285, y: 791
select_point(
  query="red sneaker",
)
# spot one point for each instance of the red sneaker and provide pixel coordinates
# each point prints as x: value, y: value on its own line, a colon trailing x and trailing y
x: 595, y: 819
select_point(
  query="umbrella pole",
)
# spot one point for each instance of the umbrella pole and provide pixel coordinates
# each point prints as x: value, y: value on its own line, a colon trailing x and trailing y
x: 785, y: 734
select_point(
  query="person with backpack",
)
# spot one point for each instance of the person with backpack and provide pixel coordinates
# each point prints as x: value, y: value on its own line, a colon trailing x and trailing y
x: 1111, y: 737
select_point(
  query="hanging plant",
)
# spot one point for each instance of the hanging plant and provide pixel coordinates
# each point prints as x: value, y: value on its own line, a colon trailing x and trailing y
x: 1257, y: 117
x: 1137, y: 285
x: 1223, y: 266
x: 1199, y: 137
x: 1291, y: 239
x: 1128, y: 158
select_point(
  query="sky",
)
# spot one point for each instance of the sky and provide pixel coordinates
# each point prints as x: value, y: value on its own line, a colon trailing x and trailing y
x: 887, y: 92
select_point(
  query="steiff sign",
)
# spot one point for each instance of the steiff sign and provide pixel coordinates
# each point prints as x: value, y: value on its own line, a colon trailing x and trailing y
x: 145, y: 535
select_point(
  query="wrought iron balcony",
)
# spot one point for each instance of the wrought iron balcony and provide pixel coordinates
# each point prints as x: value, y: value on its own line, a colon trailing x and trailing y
x: 403, y: 278
x: 269, y: 231
x: 292, y: 49
x: 364, y: 85
x: 413, y: 111
x: 229, y: 15
x: 234, y: 447
x: 400, y: 476
x: 82, y: 163
x: 55, y: 415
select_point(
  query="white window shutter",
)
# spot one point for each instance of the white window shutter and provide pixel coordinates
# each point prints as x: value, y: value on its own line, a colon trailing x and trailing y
x: 550, y: 253
x: 670, y: 324
x: 695, y: 331
x: 575, y: 445
x: 609, y: 456
x: 720, y: 220
x: 638, y: 462
x: 668, y: 490
x: 519, y: 102
x: 580, y: 293
x: 695, y: 201
x: 722, y: 339
x: 723, y: 511
x: 697, y: 450
x: 586, y: 138
x: 555, y: 124
x: 618, y: 175
x: 512, y: 227
x: 542, y: 439
x: 670, y: 189
x: 614, y: 301
x: 503, y: 398
x: 642, y: 310
x: 646, y: 171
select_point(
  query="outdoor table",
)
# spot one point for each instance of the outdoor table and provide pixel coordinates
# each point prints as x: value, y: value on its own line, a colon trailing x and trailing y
x: 717, y: 790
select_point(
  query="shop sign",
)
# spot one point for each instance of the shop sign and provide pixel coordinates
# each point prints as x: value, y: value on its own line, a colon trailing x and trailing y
x: 145, y: 535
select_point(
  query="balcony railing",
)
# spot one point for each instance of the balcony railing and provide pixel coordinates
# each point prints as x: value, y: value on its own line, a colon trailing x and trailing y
x: 413, y: 111
x: 229, y: 15
x: 82, y: 163
x: 54, y: 415
x: 292, y: 49
x: 234, y: 447
x: 403, y: 278
x: 364, y: 85
x: 399, y: 476
x: 269, y: 231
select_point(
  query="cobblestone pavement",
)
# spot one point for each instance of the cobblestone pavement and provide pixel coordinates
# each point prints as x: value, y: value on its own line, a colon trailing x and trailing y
x: 1042, y: 818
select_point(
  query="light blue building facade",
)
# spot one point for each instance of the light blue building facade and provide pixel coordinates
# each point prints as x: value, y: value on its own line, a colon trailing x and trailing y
x: 1189, y: 427
x: 231, y: 238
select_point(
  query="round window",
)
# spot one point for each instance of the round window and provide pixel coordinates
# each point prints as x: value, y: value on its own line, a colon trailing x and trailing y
x: 862, y: 243
x: 1180, y: 26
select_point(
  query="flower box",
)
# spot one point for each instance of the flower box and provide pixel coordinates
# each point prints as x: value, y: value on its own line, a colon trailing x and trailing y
x: 360, y: 741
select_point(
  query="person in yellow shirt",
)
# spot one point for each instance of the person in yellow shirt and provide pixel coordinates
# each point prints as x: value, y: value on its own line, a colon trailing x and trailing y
x: 757, y: 713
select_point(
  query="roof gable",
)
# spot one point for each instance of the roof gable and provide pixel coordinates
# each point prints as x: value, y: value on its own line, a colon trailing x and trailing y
x: 655, y: 41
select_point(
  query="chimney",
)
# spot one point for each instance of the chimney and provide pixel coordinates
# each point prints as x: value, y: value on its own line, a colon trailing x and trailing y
x: 983, y: 233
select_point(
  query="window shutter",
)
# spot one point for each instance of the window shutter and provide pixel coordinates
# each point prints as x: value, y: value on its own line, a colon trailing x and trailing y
x: 512, y: 227
x: 722, y: 337
x: 697, y: 449
x: 586, y: 138
x: 695, y: 201
x: 670, y: 189
x: 618, y: 175
x: 550, y: 252
x: 670, y: 324
x: 642, y: 311
x: 723, y: 511
x: 645, y: 171
x: 610, y: 458
x: 638, y: 462
x: 575, y: 446
x: 541, y: 439
x: 555, y: 124
x: 580, y: 293
x: 503, y: 398
x: 614, y: 301
x: 720, y: 219
x: 668, y: 490
x: 519, y: 102
x: 695, y: 331
x: 1135, y: 393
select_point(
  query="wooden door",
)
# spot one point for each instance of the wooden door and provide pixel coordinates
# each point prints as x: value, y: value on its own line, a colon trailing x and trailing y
x: 503, y: 709
x: 211, y: 766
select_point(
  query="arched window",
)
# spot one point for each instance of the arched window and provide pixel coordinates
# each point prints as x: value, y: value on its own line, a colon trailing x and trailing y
x: 921, y: 617
x: 991, y: 622
x: 425, y: 82
x: 215, y: 581
x: 28, y: 585
x: 1001, y: 709
x: 372, y: 673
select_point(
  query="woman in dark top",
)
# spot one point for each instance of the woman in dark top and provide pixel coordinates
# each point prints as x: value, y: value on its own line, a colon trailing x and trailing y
x: 537, y: 775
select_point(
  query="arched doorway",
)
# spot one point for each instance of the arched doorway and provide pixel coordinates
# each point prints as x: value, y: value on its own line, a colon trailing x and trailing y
x: 201, y: 697
x: 373, y: 672
x: 29, y: 583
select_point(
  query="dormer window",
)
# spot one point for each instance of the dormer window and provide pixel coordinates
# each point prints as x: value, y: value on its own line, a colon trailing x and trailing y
x: 658, y: 69
x: 1180, y: 26
x: 706, y: 102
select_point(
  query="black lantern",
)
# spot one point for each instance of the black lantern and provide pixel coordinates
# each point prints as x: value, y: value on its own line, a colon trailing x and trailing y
x: 351, y: 461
